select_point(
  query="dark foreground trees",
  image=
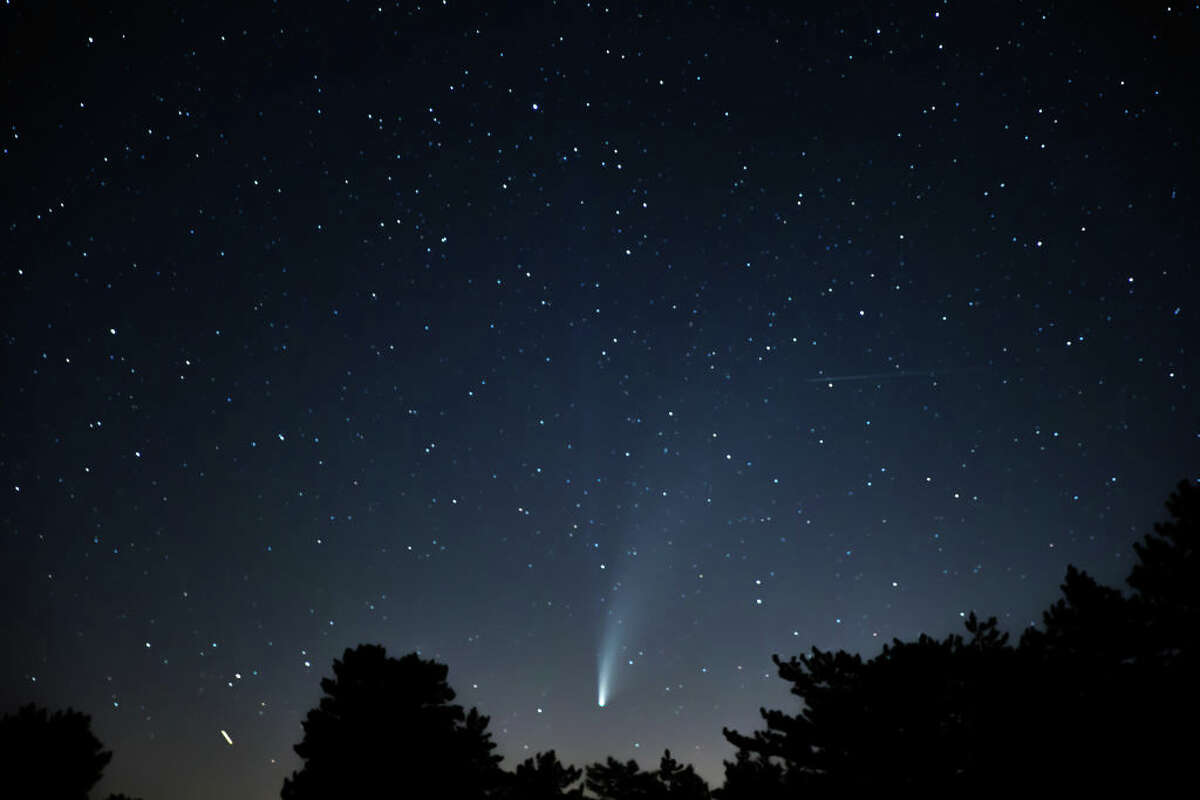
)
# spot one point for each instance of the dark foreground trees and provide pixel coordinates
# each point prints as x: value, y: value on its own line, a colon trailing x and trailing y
x: 542, y: 777
x: 49, y: 755
x: 1119, y: 671
x: 1100, y: 699
x: 904, y: 719
x: 617, y: 780
x: 388, y: 727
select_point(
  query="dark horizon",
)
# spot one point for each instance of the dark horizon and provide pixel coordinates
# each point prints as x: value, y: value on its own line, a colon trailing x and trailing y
x: 595, y: 353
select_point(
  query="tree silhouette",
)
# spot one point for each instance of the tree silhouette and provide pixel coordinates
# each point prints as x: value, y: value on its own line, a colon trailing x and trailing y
x: 1092, y: 702
x: 1166, y: 580
x: 906, y: 718
x: 1090, y: 621
x: 1111, y: 665
x: 754, y: 776
x: 680, y: 781
x: 543, y: 777
x: 388, y: 726
x: 616, y: 780
x: 50, y: 755
x: 1166, y: 585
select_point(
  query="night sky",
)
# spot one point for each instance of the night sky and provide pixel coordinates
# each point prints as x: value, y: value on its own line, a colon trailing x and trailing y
x: 585, y: 350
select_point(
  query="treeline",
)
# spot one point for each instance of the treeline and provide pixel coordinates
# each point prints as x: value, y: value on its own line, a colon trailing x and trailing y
x: 1101, y: 698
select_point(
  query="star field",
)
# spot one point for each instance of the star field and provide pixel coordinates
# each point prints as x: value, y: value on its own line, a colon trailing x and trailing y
x: 644, y: 340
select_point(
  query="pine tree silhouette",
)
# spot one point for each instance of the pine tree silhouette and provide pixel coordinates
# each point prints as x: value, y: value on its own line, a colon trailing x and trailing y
x: 543, y: 777
x: 1116, y: 673
x: 388, y: 726
x: 902, y: 719
x: 1093, y: 702
x: 49, y: 755
x: 680, y: 781
x: 1166, y: 581
x: 616, y: 780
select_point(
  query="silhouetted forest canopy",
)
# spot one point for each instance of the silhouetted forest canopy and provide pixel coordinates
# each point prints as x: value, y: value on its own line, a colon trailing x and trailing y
x: 50, y: 755
x: 1094, y: 700
x: 1100, y: 698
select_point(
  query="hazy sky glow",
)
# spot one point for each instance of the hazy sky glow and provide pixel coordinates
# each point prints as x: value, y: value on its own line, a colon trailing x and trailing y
x: 598, y: 354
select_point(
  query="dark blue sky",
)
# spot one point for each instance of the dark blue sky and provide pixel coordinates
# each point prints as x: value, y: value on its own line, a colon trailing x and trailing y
x: 503, y: 337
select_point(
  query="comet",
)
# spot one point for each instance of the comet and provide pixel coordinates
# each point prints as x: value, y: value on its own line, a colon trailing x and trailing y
x: 621, y: 606
x: 604, y: 675
x: 227, y: 739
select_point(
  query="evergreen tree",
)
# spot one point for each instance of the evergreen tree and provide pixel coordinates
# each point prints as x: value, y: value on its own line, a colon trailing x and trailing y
x: 543, y: 777
x: 909, y: 717
x: 616, y: 780
x: 1116, y: 673
x: 1093, y: 702
x: 50, y: 755
x: 680, y: 781
x: 1166, y: 585
x: 752, y: 776
x: 388, y: 726
x: 1166, y: 580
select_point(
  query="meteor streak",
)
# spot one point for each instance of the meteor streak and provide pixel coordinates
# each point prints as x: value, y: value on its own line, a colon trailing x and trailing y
x: 883, y: 376
x: 870, y: 376
x: 227, y: 739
